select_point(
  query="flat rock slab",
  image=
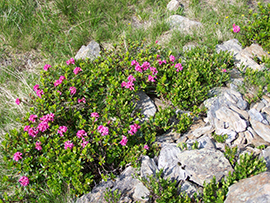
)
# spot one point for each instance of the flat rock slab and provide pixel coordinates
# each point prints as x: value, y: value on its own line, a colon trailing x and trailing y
x: 261, y: 129
x: 232, y: 46
x: 203, y: 164
x: 181, y: 23
x: 255, y: 189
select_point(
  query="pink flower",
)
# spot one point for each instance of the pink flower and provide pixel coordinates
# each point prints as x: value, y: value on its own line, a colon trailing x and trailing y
x: 128, y: 85
x: 178, y: 67
x: 24, y: 181
x: 36, y: 87
x: 38, y: 147
x: 59, y: 92
x: 223, y: 70
x: 146, y: 147
x: 39, y: 93
x: 26, y: 128
x: 48, y: 117
x: 124, y: 140
x: 43, y: 126
x: 103, y: 130
x: 151, y: 78
x: 131, y: 78
x: 133, y: 129
x: 70, y: 61
x: 32, y: 118
x: 158, y: 56
x: 236, y: 28
x: 17, y: 156
x: 156, y: 41
x: 72, y: 90
x: 61, y: 78
x: 81, y: 100
x: 77, y: 70
x: 32, y: 132
x: 69, y: 145
x: 153, y: 70
x: 18, y: 101
x: 62, y: 129
x: 134, y: 62
x: 81, y: 134
x: 84, y: 143
x: 145, y: 65
x: 138, y: 68
x: 172, y: 58
x: 46, y: 67
x: 95, y: 115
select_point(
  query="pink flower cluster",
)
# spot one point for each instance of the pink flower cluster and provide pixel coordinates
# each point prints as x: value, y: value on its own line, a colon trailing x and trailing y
x: 38, y: 91
x: 82, y: 100
x: 124, y: 141
x: 38, y: 146
x: 61, y: 130
x: 32, y: 118
x: 160, y: 62
x: 77, y: 70
x: 17, y: 156
x: 42, y: 126
x: 81, y: 134
x: 18, y: 101
x: 178, y: 67
x: 103, y: 130
x: 69, y: 145
x: 224, y: 70
x: 172, y: 58
x: 70, y: 61
x: 95, y: 115
x: 133, y: 129
x: 72, y: 90
x: 46, y: 67
x: 58, y: 82
x: 24, y: 181
x: 129, y: 84
x: 236, y: 28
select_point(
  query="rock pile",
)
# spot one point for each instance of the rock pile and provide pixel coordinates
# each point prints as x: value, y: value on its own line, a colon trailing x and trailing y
x: 246, y: 126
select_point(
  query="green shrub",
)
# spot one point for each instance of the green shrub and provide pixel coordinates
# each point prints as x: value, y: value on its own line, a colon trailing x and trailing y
x: 257, y: 28
x: 70, y: 148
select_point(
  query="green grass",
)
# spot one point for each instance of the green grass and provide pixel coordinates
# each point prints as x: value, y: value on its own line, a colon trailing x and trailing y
x: 52, y: 31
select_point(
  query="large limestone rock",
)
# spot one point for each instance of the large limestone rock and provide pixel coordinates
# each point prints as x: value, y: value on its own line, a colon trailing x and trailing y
x: 255, y: 189
x: 90, y: 51
x: 203, y: 164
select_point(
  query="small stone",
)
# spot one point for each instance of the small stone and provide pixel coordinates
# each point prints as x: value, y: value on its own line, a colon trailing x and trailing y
x: 148, y: 167
x: 261, y: 129
x: 240, y: 139
x: 90, y: 51
x: 232, y: 45
x: 141, y: 193
x: 255, y: 115
x: 173, y: 5
x: 242, y: 113
x: 258, y: 106
x: 266, y: 110
x: 181, y: 23
x: 266, y: 155
x: 206, y: 142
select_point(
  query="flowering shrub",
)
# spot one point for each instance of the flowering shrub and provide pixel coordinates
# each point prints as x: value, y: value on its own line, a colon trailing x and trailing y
x: 255, y: 29
x: 84, y: 125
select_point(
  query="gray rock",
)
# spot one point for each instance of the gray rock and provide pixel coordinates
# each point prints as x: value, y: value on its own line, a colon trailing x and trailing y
x: 232, y: 46
x: 181, y: 23
x: 236, y: 123
x: 201, y: 131
x: 90, y: 51
x: 266, y: 110
x: 266, y: 155
x: 189, y: 188
x: 255, y: 189
x: 141, y: 193
x: 168, y: 161
x: 206, y: 142
x: 253, y: 138
x: 203, y: 164
x: 255, y: 115
x: 148, y: 167
x: 240, y: 140
x: 261, y: 129
x: 97, y: 193
x: 173, y: 5
x: 258, y: 106
x: 146, y: 105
